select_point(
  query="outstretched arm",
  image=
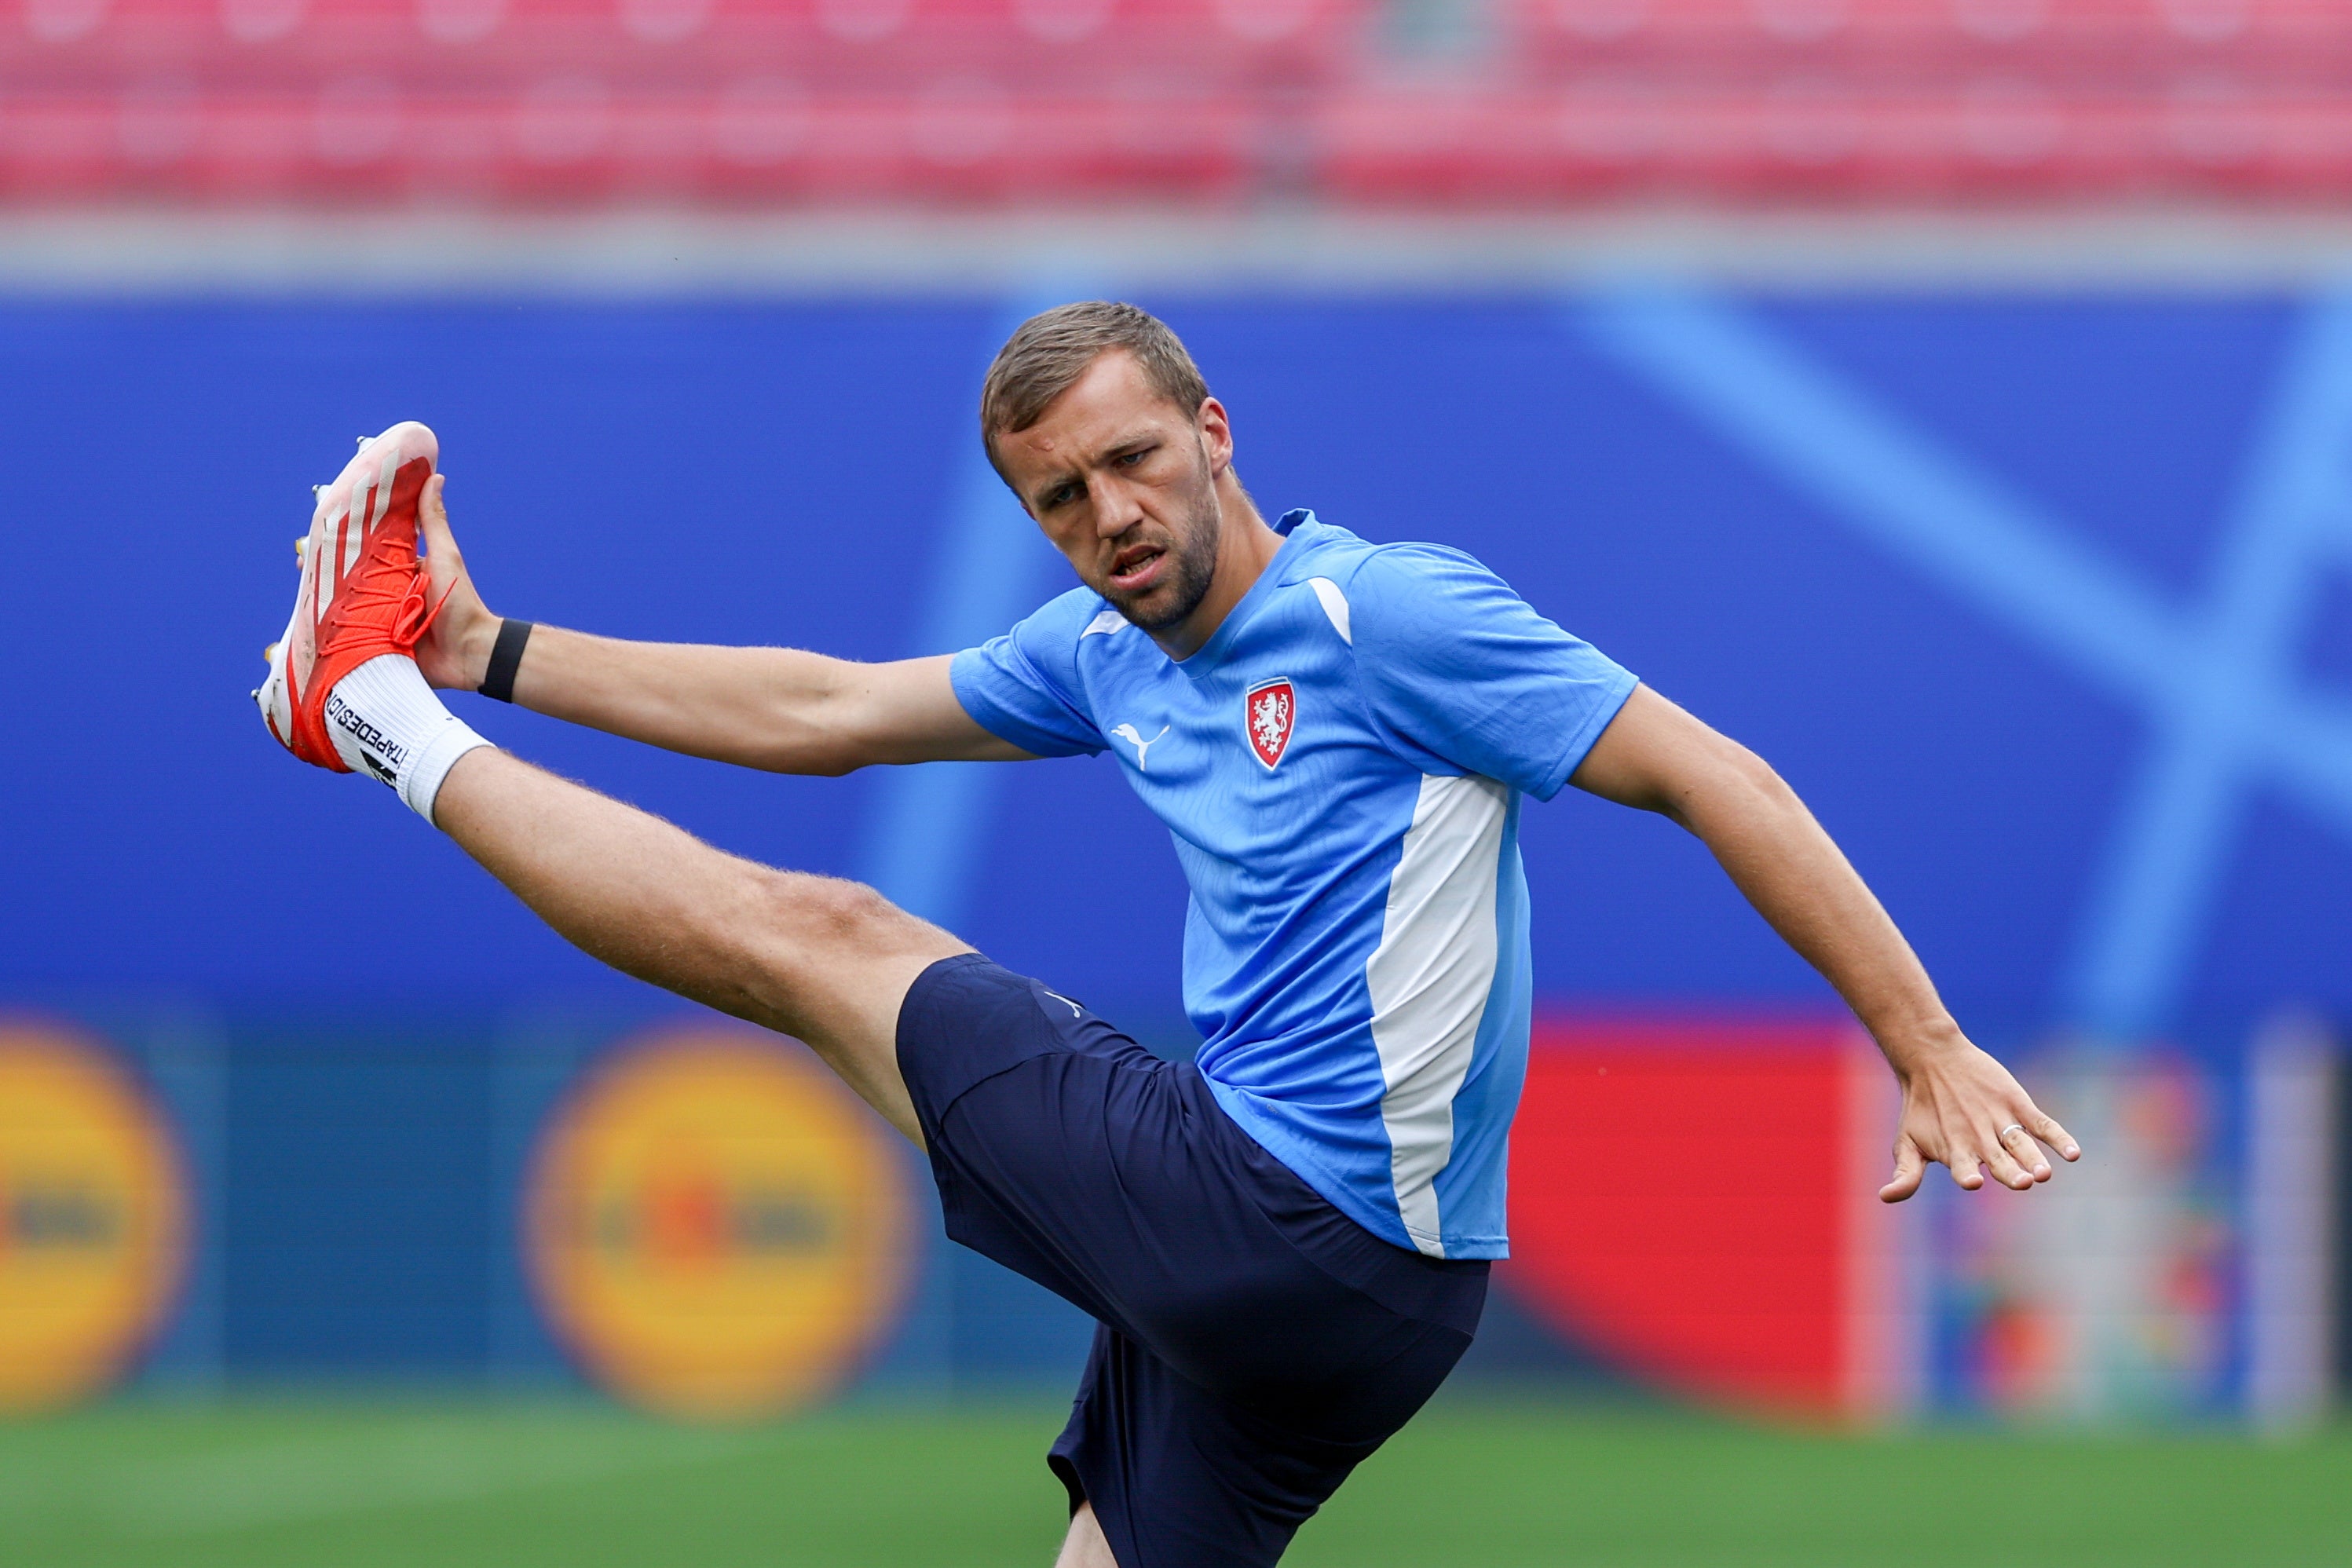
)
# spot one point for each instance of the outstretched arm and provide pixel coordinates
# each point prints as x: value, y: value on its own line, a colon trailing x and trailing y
x: 774, y: 708
x: 1961, y: 1107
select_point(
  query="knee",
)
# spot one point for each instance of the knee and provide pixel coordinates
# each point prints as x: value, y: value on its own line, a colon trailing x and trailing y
x: 826, y: 911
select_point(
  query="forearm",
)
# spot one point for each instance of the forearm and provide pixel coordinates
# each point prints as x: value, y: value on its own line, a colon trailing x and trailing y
x: 1798, y: 879
x: 779, y: 709
x: 1959, y: 1105
x: 772, y: 708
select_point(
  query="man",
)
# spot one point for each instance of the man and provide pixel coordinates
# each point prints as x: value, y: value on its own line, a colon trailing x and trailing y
x: 1287, y: 1242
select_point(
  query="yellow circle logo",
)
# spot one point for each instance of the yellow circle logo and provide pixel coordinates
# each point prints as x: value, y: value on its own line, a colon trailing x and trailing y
x: 93, y: 1219
x: 717, y: 1225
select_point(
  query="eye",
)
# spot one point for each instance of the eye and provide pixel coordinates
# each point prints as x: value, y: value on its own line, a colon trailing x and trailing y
x: 1130, y: 459
x: 1064, y: 494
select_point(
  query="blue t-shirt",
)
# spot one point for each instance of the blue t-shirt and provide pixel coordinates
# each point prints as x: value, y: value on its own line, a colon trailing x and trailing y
x: 1341, y: 766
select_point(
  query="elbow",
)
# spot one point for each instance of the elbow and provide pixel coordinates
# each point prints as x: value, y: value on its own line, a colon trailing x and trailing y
x: 1733, y: 783
x: 823, y: 744
x: 829, y: 765
x: 840, y: 733
x: 799, y: 759
x: 1753, y: 782
x: 1753, y: 774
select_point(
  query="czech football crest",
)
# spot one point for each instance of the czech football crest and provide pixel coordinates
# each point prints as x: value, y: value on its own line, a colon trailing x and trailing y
x: 1270, y: 710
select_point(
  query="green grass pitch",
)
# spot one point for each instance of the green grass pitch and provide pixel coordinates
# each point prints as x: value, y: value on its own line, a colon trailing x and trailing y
x: 316, y: 1483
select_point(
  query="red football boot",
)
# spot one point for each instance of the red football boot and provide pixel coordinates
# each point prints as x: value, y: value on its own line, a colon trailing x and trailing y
x: 364, y: 593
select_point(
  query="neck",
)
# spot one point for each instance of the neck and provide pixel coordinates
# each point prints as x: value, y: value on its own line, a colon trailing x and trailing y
x: 1244, y: 547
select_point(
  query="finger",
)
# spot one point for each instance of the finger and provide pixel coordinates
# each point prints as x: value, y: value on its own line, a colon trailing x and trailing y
x: 435, y: 543
x: 2047, y: 1129
x: 1965, y: 1165
x: 433, y: 516
x: 2005, y: 1168
x: 1908, y: 1168
x: 2025, y: 1151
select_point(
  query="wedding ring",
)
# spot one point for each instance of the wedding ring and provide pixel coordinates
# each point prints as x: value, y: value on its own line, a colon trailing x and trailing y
x: 2012, y: 1127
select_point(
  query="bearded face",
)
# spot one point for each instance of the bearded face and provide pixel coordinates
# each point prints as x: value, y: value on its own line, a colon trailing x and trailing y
x: 1125, y: 485
x: 1180, y: 555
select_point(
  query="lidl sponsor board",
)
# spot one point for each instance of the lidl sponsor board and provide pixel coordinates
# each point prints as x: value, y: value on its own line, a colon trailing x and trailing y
x: 93, y: 1218
x: 716, y: 1228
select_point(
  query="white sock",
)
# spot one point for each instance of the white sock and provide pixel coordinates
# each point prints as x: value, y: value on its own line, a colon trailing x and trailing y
x: 387, y: 723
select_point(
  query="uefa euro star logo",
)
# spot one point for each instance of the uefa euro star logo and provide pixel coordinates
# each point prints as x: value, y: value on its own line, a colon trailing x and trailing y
x: 2226, y: 710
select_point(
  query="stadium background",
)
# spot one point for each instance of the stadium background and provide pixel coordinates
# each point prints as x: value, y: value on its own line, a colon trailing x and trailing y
x: 1951, y: 399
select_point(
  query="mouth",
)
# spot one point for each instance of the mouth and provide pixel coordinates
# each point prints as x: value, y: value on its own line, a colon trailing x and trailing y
x: 1136, y: 568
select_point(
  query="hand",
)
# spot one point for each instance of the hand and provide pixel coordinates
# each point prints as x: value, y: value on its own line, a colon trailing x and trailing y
x: 456, y: 651
x: 1964, y: 1109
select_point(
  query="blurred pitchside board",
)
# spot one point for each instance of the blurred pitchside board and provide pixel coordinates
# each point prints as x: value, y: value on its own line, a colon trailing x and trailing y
x: 698, y: 1220
x: 2041, y: 601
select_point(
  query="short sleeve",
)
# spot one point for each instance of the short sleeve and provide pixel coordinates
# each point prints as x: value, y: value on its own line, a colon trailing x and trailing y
x: 1457, y: 665
x: 1023, y: 686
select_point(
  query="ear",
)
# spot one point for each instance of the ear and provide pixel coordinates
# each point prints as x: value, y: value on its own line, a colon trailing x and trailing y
x: 1216, y: 435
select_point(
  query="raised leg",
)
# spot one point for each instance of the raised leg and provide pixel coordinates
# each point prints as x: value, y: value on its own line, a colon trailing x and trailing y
x: 823, y: 960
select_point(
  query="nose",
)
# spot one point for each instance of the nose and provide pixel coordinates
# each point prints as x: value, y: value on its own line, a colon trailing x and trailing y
x: 1116, y: 506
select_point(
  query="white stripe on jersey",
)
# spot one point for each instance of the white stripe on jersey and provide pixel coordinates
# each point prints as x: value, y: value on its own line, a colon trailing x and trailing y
x: 1430, y: 978
x: 1335, y: 607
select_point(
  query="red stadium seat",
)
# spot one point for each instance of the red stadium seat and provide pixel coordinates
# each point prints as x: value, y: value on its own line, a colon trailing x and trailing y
x: 1546, y: 102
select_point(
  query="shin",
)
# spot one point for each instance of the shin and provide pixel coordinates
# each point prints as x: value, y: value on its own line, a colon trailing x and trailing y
x: 824, y: 960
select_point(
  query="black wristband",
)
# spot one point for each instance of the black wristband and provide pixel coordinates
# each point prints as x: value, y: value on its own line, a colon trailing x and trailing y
x: 506, y: 658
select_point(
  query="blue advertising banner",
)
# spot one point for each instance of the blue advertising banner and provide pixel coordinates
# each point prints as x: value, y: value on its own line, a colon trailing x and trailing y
x: 2041, y: 602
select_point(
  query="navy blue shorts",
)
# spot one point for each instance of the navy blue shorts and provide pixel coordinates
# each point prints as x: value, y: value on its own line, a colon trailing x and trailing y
x: 1255, y: 1343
